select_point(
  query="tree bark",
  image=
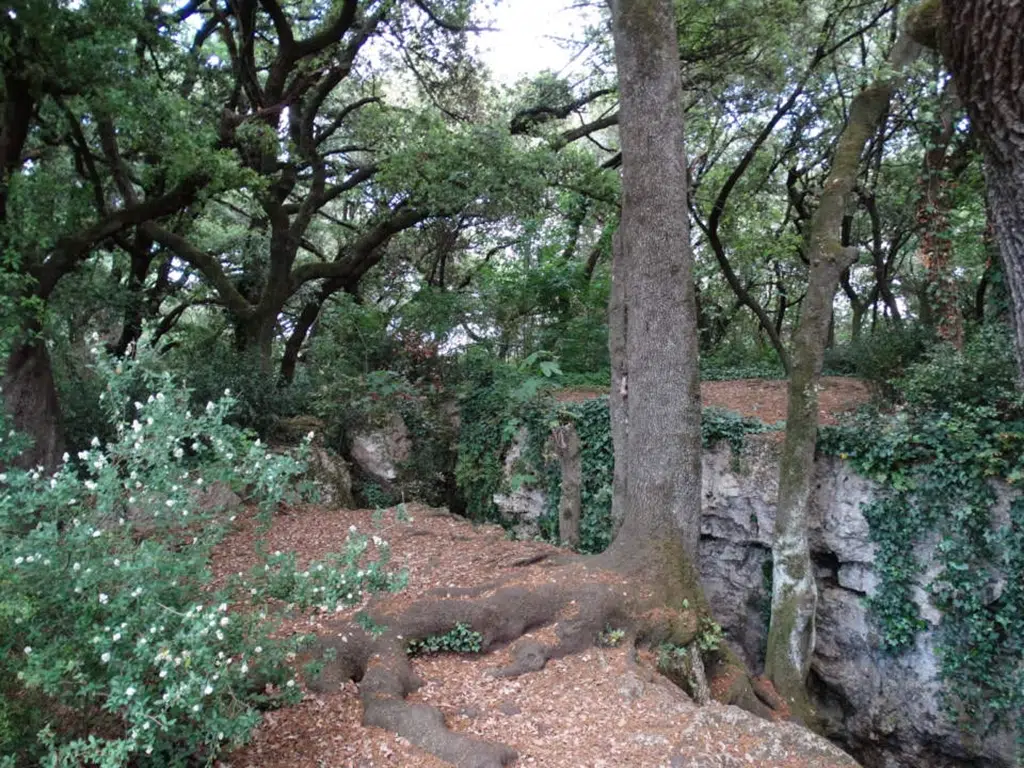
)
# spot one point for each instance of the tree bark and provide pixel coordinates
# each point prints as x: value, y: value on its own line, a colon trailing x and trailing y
x: 935, y: 250
x: 791, y: 634
x: 567, y: 446
x: 30, y: 398
x: 984, y: 45
x: 661, y: 525
x: 618, y: 401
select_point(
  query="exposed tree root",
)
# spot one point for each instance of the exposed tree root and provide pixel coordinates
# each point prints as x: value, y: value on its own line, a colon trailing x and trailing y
x: 579, y: 602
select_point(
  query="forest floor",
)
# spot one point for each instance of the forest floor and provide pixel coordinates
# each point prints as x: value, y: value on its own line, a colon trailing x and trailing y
x: 607, y: 707
x: 763, y: 399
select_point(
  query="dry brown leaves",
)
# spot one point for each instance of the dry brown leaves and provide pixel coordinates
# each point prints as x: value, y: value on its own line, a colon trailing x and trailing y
x: 599, y: 708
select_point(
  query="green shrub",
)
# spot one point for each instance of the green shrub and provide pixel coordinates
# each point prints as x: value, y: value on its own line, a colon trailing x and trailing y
x: 982, y: 374
x: 879, y: 357
x: 105, y: 609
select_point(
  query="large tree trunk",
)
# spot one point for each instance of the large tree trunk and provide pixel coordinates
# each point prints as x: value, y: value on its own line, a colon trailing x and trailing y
x: 984, y: 44
x: 30, y: 398
x: 794, y: 593
x: 661, y: 525
x: 618, y: 402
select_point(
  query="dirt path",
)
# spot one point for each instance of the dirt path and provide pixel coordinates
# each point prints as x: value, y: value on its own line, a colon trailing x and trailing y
x: 601, y: 708
x: 604, y: 708
x: 763, y: 399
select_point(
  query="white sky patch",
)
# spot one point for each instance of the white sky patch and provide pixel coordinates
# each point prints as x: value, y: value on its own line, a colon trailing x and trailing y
x: 528, y: 37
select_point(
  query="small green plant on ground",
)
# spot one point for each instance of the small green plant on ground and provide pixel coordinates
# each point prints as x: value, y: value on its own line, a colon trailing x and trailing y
x: 671, y: 657
x: 610, y: 638
x: 709, y: 635
x: 459, y: 639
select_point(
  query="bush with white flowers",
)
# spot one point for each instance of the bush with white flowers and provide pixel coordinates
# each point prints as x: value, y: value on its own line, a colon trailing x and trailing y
x: 113, y: 650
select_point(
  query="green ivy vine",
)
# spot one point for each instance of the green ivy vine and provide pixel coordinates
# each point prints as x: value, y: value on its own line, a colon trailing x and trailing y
x: 936, y: 472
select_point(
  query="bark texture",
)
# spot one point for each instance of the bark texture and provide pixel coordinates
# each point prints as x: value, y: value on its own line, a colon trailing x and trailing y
x: 661, y: 523
x: 984, y: 45
x: 30, y: 398
x: 794, y: 594
x: 618, y: 400
x: 569, y: 450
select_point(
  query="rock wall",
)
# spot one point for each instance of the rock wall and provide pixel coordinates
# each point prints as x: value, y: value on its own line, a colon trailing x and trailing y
x: 886, y: 710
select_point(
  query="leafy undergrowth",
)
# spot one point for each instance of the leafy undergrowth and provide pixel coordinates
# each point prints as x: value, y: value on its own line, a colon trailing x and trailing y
x: 595, y: 706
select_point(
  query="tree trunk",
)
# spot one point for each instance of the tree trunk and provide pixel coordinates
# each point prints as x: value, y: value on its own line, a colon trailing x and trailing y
x: 794, y: 593
x: 567, y: 447
x: 30, y: 398
x: 307, y: 317
x: 936, y: 246
x: 661, y: 525
x: 985, y: 48
x: 618, y: 402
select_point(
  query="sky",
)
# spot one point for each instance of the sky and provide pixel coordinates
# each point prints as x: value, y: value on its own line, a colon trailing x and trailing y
x: 525, y: 42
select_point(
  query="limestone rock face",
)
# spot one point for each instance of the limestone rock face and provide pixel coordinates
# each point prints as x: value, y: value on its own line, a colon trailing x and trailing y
x: 379, y: 452
x: 886, y: 709
x: 522, y: 505
x: 332, y: 477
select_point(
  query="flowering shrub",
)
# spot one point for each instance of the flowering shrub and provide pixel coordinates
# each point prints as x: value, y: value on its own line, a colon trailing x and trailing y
x: 113, y: 650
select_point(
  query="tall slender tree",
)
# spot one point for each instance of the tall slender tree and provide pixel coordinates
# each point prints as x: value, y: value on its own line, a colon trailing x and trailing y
x: 794, y: 592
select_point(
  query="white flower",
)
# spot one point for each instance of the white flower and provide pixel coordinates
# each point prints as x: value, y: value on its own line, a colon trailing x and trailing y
x: 117, y: 563
x: 105, y: 657
x: 97, y: 533
x: 117, y: 636
x: 195, y: 707
x: 138, y: 406
x: 178, y: 453
x: 66, y: 458
x: 95, y: 442
x: 227, y: 393
x: 19, y: 560
x: 290, y: 684
x: 258, y: 649
x: 220, y: 635
x: 28, y: 650
x: 160, y: 396
x: 129, y: 691
x: 207, y: 690
x: 104, y: 598
x: 352, y: 529
x: 169, y: 502
x: 244, y: 668
x: 163, y: 673
x: 209, y: 407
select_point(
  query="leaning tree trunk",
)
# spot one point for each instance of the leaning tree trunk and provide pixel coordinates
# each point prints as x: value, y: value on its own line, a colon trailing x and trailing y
x: 661, y: 525
x: 794, y: 593
x: 984, y: 44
